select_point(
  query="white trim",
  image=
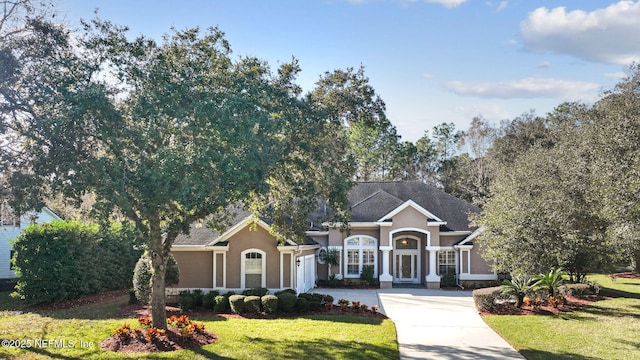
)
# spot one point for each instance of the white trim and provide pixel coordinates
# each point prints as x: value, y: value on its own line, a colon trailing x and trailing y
x: 263, y: 277
x: 478, y: 276
x: 411, y: 203
x: 413, y: 252
x: 178, y: 248
x: 454, y: 233
x: 360, y: 249
x: 422, y: 231
x: 473, y: 235
x: 239, y: 226
x: 316, y: 233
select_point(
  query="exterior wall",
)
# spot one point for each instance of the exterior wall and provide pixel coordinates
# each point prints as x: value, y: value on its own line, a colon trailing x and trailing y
x: 10, y: 233
x: 478, y: 264
x: 219, y: 270
x: 261, y: 240
x: 196, y: 268
x: 448, y: 240
x: 287, y: 279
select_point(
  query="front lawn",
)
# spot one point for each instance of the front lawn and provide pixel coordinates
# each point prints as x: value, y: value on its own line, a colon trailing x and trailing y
x: 606, y: 329
x: 78, y: 332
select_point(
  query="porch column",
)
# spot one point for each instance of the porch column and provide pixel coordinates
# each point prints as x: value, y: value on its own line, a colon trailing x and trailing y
x: 386, y: 279
x: 432, y: 279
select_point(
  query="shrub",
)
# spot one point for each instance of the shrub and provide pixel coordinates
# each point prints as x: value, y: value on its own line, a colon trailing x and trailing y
x: 367, y: 275
x: 209, y: 300
x: 286, y: 302
x: 144, y: 271
x: 551, y: 281
x: 132, y: 297
x: 66, y: 259
x: 290, y: 291
x: 326, y: 298
x: 259, y: 292
x: 579, y: 289
x: 221, y: 304
x: 237, y: 303
x: 187, y: 300
x: 448, y: 280
x: 485, y: 298
x: 302, y: 305
x: 269, y: 303
x: 518, y: 287
x: 197, y: 297
x: 252, y: 304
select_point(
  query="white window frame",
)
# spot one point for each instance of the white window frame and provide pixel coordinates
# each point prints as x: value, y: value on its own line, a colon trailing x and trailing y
x: 243, y: 269
x: 446, y: 262
x: 360, y: 250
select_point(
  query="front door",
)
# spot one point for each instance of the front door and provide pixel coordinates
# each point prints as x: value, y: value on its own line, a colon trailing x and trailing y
x: 406, y: 260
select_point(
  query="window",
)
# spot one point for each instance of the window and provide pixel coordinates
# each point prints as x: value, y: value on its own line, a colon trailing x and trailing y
x: 446, y: 262
x: 11, y: 267
x: 360, y: 251
x: 253, y: 269
x: 321, y: 255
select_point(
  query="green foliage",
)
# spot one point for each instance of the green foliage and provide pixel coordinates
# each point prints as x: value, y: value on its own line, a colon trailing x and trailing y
x: 143, y: 272
x: 132, y: 297
x: 518, y: 287
x: 237, y: 304
x: 65, y: 260
x: 187, y: 300
x: 551, y: 280
x: 209, y: 299
x: 579, y: 289
x: 302, y: 305
x: 221, y: 304
x: 286, y: 301
x: 252, y: 304
x: 269, y: 303
x: 368, y: 275
x: 260, y: 292
x: 448, y: 280
x: 485, y: 298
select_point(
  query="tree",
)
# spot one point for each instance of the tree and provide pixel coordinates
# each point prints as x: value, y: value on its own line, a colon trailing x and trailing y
x: 614, y: 132
x: 446, y: 139
x: 540, y: 214
x: 166, y: 134
x: 427, y: 165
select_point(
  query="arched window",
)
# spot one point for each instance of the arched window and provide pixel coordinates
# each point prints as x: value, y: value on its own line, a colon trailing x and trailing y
x: 360, y: 251
x: 253, y: 268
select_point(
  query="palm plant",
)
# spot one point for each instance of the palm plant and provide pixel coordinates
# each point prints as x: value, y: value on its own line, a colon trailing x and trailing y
x: 332, y: 258
x: 518, y: 287
x: 551, y: 281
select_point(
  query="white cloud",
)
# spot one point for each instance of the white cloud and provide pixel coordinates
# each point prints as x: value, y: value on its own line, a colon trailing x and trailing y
x: 544, y: 65
x: 427, y: 76
x: 528, y: 88
x: 616, y: 75
x: 493, y: 112
x: 608, y: 35
x: 502, y: 6
x: 446, y: 3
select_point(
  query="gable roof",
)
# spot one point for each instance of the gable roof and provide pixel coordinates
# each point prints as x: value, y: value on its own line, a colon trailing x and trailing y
x: 374, y: 201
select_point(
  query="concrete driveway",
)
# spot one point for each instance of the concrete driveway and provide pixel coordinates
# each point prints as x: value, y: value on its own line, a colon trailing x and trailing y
x: 434, y: 324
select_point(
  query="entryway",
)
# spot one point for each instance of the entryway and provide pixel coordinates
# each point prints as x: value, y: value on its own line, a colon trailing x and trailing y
x: 406, y: 260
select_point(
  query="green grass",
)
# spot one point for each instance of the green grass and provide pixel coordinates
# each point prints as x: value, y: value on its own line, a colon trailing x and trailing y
x: 606, y: 329
x: 310, y: 337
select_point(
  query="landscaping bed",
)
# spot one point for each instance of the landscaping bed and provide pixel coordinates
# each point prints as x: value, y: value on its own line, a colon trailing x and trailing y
x: 572, y: 303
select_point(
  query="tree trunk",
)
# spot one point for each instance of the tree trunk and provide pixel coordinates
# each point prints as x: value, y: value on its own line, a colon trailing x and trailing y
x: 159, y: 262
x: 636, y: 257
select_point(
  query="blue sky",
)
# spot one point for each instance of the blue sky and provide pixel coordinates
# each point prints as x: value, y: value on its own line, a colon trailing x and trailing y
x: 431, y: 61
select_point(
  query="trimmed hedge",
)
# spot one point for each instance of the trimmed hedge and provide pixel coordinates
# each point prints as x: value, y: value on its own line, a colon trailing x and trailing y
x: 143, y: 272
x: 579, y: 289
x: 252, y: 304
x: 209, y: 300
x: 485, y: 298
x: 237, y: 303
x: 221, y: 304
x: 286, y: 302
x: 259, y: 292
x: 67, y: 259
x: 270, y: 303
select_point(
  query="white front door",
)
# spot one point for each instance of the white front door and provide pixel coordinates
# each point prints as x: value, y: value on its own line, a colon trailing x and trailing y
x: 406, y: 267
x: 406, y: 260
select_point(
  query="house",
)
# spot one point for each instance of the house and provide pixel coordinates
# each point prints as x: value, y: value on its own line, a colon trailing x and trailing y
x: 11, y: 226
x: 409, y: 232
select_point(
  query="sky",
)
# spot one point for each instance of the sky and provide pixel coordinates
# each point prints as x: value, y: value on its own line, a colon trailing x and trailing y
x: 431, y: 61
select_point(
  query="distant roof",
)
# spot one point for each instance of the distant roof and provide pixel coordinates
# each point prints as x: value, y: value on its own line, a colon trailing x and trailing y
x: 373, y: 200
x: 200, y: 234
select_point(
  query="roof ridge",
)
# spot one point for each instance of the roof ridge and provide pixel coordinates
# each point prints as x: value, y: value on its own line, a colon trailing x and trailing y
x: 367, y: 198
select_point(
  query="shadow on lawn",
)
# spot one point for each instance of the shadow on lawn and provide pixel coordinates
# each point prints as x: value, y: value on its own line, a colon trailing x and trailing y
x: 321, y: 349
x: 544, y: 355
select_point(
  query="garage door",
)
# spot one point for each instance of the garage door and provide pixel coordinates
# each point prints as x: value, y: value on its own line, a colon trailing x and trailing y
x: 306, y: 274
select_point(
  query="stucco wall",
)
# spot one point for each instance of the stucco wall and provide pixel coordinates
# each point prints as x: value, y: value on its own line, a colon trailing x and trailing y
x: 196, y: 269
x: 478, y: 264
x: 258, y: 239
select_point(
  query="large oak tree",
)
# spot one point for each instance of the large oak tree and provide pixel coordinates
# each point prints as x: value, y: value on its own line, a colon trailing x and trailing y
x: 164, y: 134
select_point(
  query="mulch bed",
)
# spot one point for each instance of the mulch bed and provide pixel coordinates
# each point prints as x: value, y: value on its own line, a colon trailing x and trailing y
x: 572, y: 304
x: 625, y: 275
x: 172, y: 340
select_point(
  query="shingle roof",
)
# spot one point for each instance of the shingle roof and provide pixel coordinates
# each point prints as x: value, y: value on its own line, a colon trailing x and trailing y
x: 372, y: 200
x: 200, y: 234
